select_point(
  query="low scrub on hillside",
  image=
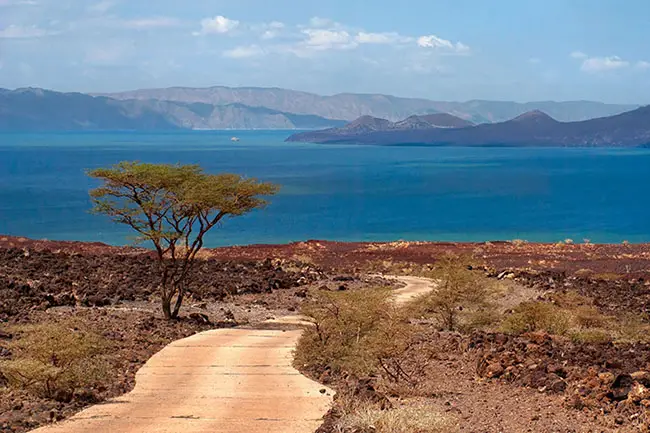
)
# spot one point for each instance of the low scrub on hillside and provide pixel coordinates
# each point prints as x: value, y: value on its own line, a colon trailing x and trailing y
x: 574, y: 316
x: 55, y: 360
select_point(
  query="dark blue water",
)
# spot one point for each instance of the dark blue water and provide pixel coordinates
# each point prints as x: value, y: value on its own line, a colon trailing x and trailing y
x: 343, y: 192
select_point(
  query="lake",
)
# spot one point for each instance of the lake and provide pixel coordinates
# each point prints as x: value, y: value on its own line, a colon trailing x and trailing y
x: 340, y: 192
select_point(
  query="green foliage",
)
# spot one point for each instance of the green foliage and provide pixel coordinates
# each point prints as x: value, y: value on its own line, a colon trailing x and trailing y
x: 54, y: 359
x: 460, y: 293
x: 173, y: 207
x: 353, y: 333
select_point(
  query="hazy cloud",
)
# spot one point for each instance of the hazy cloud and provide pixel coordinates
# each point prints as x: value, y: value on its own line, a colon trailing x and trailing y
x: 643, y: 64
x: 18, y: 3
x: 578, y: 55
x: 23, y: 32
x: 272, y: 30
x: 319, y: 22
x: 152, y: 23
x: 322, y: 39
x: 600, y: 64
x: 244, y: 52
x: 102, y: 7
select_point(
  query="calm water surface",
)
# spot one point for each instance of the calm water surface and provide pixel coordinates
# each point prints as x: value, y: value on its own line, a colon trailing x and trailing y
x: 342, y: 192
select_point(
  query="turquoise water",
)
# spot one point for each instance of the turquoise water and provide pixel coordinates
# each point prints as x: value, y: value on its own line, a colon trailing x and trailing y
x: 342, y: 192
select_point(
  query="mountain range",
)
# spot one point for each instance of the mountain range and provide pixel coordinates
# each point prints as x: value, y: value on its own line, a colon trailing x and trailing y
x: 43, y: 110
x: 349, y: 106
x: 535, y: 128
x: 178, y: 108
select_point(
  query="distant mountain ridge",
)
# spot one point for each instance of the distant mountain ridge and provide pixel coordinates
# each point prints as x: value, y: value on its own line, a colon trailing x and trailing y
x: 34, y: 109
x: 350, y: 106
x: 535, y: 128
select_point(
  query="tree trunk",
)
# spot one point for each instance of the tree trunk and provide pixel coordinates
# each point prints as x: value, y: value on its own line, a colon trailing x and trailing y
x: 179, y: 302
x: 167, y: 306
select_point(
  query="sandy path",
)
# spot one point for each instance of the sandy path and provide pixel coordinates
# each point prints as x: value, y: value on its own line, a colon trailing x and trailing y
x: 228, y: 381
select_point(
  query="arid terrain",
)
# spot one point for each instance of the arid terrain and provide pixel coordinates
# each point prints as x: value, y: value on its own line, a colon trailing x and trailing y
x: 483, y: 379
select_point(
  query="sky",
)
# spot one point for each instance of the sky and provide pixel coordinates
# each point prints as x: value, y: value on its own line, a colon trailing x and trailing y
x: 519, y: 50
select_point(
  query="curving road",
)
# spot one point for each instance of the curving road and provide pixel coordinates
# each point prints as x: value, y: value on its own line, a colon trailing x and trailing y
x: 227, y: 381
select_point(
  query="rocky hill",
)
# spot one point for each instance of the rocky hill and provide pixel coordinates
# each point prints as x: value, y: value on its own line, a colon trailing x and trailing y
x: 535, y: 128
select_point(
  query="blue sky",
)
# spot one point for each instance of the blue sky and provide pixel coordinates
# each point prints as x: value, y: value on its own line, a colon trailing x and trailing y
x: 440, y: 49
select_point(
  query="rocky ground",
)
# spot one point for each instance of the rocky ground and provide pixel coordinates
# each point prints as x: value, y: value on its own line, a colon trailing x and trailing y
x: 487, y: 380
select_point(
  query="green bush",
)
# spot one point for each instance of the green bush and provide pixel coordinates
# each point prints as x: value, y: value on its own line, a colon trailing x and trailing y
x: 54, y: 360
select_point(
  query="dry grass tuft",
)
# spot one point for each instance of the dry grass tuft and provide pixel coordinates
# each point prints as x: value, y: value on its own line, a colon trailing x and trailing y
x: 403, y: 419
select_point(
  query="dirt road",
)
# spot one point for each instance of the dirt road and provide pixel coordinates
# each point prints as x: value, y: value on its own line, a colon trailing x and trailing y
x: 228, y: 381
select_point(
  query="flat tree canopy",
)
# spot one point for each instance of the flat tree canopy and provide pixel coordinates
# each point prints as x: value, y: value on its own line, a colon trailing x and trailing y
x: 174, y: 206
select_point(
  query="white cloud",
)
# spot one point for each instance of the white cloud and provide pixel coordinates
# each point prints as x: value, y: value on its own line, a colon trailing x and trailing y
x: 433, y: 41
x: 600, y: 64
x: 217, y: 25
x: 578, y: 55
x: 642, y: 64
x: 21, y: 32
x: 321, y: 39
x: 152, y: 23
x: 381, y: 38
x: 244, y: 52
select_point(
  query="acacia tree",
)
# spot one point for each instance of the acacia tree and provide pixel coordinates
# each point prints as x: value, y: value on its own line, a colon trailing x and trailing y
x: 173, y: 207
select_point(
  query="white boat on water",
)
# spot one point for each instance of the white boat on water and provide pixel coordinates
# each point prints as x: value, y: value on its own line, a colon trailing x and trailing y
x: 235, y: 139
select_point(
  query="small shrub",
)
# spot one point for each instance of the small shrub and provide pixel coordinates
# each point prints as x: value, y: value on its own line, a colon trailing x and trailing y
x: 404, y: 419
x: 583, y: 272
x: 537, y: 316
x: 460, y: 293
x: 608, y: 276
x: 353, y: 332
x: 482, y: 319
x: 586, y: 316
x: 519, y: 242
x: 54, y: 360
x: 632, y: 328
x: 569, y: 299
